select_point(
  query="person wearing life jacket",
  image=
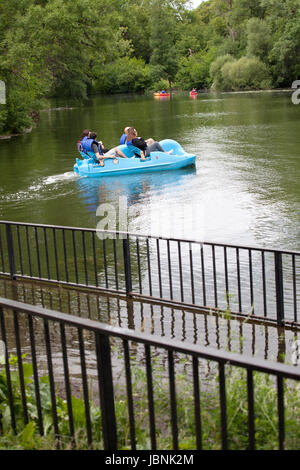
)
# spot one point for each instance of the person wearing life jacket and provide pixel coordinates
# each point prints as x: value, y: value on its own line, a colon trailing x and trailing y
x: 127, y: 150
x: 92, y: 145
x: 124, y: 136
x: 85, y: 136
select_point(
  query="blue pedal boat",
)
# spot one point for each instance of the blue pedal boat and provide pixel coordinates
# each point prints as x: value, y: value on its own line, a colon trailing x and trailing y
x: 157, y: 161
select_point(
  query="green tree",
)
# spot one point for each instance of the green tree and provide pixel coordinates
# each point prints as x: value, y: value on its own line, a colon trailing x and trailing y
x: 194, y: 71
x: 122, y: 76
x: 163, y: 33
x: 134, y: 19
x: 51, y: 48
x: 62, y: 48
x: 284, y: 19
x: 259, y: 39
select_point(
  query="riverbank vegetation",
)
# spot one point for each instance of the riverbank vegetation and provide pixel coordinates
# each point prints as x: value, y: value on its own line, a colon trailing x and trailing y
x: 27, y: 435
x: 60, y: 48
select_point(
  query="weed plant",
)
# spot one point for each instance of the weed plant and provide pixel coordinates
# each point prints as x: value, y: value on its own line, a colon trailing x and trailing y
x: 26, y: 436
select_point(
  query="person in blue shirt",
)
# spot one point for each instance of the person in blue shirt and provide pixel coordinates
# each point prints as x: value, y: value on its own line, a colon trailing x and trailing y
x: 148, y: 146
x: 128, y: 149
x: 131, y: 148
x: 124, y: 136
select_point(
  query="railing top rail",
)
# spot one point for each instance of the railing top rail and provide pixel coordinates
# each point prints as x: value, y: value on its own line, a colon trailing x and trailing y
x: 155, y: 237
x: 235, y: 359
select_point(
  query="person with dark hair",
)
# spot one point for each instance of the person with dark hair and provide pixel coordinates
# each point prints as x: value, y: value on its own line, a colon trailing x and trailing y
x: 92, y: 145
x: 146, y: 146
x: 103, y: 150
x: 85, y: 136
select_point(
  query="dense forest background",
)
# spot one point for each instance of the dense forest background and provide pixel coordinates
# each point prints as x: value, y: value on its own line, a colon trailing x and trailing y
x: 56, y: 48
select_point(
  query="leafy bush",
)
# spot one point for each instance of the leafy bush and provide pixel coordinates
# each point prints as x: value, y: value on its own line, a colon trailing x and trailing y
x: 27, y: 437
x: 194, y: 71
x: 159, y: 85
x: 123, y: 76
x: 246, y: 73
x: 22, y: 101
x: 3, y: 118
x: 216, y: 71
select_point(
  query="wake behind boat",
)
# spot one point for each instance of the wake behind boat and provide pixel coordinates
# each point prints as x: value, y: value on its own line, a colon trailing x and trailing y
x: 157, y: 161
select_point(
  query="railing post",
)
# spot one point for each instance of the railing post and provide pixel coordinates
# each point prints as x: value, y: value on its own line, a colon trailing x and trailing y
x: 106, y: 391
x: 279, y: 288
x: 10, y: 250
x: 127, y: 266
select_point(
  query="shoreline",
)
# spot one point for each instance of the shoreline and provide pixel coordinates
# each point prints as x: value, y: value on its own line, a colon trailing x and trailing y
x: 275, y: 90
x: 29, y: 130
x: 66, y: 108
x: 63, y: 108
x: 9, y: 136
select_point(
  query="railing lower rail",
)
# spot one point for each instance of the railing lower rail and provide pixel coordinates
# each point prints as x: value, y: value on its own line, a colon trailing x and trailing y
x: 254, y: 281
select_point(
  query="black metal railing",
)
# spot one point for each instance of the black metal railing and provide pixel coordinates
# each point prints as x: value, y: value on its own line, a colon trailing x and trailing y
x: 45, y: 336
x: 260, y: 282
x: 234, y: 334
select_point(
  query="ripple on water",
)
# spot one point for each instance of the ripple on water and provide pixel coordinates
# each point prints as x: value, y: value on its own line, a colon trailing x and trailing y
x: 43, y: 189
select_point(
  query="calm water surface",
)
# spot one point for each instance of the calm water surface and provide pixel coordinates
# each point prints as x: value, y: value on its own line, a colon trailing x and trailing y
x: 245, y: 189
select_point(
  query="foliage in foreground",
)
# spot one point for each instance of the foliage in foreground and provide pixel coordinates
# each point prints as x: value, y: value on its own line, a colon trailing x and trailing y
x: 28, y: 437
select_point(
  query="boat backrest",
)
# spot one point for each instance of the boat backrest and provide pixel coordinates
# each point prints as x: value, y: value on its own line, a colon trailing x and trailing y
x: 169, y: 144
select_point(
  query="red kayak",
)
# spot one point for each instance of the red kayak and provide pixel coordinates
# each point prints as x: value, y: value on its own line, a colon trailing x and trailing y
x: 161, y: 94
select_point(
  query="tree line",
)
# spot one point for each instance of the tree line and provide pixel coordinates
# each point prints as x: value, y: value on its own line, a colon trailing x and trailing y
x: 58, y: 48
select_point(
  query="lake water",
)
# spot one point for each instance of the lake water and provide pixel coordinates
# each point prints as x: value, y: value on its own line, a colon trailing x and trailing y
x: 244, y: 190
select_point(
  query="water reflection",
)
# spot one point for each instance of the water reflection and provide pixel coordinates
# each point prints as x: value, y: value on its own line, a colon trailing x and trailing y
x: 136, y: 187
x: 201, y: 328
